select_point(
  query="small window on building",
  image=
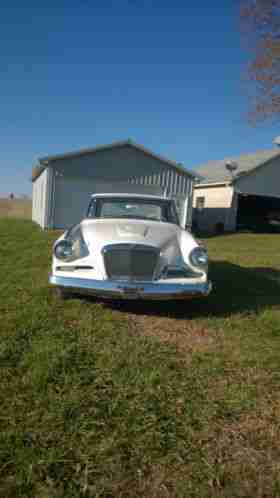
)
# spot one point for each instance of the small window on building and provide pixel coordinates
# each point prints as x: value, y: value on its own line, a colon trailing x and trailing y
x: 200, y: 203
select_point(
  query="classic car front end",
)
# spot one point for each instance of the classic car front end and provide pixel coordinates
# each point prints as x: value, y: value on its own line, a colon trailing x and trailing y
x: 130, y: 247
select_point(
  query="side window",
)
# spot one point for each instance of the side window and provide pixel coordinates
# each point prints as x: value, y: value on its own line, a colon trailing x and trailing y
x: 200, y: 203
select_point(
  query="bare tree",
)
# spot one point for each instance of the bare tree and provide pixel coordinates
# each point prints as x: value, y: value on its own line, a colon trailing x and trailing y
x: 261, y: 20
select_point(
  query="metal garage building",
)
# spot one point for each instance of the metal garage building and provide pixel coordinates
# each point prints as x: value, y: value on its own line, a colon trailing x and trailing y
x: 245, y: 196
x: 62, y: 184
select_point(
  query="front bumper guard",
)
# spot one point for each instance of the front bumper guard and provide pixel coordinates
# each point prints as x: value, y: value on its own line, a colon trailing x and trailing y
x: 112, y: 289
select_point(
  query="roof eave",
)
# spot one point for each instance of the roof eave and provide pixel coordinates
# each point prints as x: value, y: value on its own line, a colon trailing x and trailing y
x: 214, y: 184
x: 253, y: 170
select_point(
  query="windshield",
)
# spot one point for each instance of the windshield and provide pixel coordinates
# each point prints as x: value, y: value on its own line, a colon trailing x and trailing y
x: 133, y: 208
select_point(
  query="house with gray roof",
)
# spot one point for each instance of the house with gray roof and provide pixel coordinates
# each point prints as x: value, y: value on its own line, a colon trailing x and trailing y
x: 238, y: 192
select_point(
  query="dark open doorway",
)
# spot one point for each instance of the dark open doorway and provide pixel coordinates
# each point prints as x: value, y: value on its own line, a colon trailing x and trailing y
x: 258, y: 213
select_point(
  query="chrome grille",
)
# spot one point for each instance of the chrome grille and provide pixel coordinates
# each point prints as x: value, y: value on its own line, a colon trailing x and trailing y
x: 132, y: 262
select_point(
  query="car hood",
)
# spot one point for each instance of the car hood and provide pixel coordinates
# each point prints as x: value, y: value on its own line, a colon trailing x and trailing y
x: 165, y: 236
x: 137, y: 231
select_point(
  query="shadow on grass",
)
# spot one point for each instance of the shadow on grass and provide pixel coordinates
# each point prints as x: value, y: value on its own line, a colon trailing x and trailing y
x: 236, y: 289
x: 212, y: 235
x: 258, y: 230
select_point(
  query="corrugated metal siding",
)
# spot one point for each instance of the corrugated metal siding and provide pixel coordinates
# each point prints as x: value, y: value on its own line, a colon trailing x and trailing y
x: 49, y: 198
x: 176, y: 185
x: 39, y: 199
x: 173, y: 182
x: 51, y: 194
x: 121, y: 164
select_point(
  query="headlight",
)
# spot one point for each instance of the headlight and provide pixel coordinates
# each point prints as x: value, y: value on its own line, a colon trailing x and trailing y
x: 72, y: 247
x: 64, y: 250
x: 199, y: 257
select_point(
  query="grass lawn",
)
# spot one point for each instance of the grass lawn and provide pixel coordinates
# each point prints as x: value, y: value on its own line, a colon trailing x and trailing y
x: 140, y: 400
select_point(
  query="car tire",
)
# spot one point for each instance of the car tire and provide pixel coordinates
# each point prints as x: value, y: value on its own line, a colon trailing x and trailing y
x: 63, y: 293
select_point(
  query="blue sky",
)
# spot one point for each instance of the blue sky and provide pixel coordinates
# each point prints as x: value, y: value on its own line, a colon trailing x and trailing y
x: 168, y: 74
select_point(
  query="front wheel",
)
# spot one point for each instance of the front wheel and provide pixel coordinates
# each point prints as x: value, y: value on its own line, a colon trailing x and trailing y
x: 63, y: 293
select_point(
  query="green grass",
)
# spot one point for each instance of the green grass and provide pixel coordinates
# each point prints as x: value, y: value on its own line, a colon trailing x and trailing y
x: 140, y: 400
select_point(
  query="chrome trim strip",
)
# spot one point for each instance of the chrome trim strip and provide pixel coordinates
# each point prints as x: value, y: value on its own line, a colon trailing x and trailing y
x: 131, y: 290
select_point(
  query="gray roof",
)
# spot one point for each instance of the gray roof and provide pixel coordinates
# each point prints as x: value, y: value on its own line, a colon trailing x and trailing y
x: 44, y: 161
x: 216, y: 172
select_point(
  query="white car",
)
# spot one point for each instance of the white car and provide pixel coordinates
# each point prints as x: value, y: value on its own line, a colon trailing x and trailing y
x: 132, y: 247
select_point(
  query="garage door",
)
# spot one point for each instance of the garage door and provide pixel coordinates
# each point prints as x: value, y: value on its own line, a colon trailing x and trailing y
x: 72, y: 198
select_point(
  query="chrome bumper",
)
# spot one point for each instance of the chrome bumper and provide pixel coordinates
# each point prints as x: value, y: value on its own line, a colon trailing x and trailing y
x: 132, y: 290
